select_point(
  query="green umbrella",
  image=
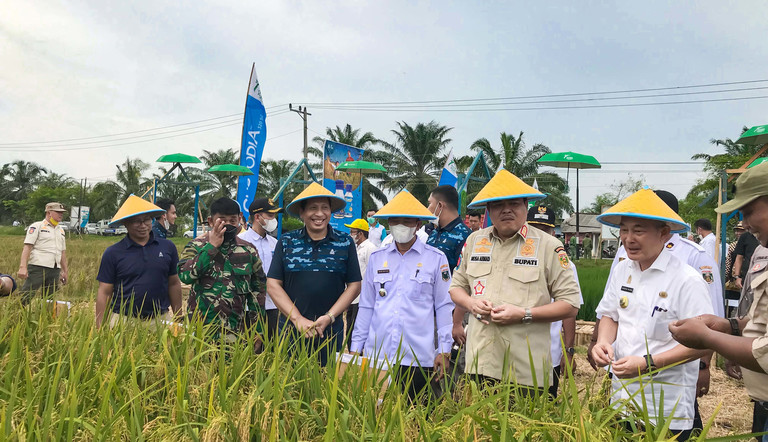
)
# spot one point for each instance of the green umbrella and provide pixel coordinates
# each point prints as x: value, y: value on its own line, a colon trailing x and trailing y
x: 758, y: 161
x: 571, y: 160
x: 178, y: 158
x: 361, y: 167
x: 755, y: 135
x: 230, y: 170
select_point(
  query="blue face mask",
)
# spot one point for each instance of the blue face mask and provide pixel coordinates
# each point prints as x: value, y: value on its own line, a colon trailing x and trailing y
x: 372, y: 221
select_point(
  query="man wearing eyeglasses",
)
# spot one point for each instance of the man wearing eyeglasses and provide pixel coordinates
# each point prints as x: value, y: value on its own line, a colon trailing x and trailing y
x: 138, y: 276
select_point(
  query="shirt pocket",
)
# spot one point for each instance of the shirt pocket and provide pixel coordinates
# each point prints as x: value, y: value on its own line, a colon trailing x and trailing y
x: 479, y: 273
x: 382, y: 281
x: 521, y: 288
x: 241, y: 277
x: 657, y: 327
x: 421, y: 287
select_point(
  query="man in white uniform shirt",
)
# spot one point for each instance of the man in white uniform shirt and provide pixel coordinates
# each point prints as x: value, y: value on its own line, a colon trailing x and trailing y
x: 703, y: 228
x: 404, y: 299
x: 647, y: 292
x: 263, y: 216
x: 358, y: 230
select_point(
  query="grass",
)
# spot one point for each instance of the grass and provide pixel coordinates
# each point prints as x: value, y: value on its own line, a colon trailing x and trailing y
x: 60, y: 379
x: 592, y: 277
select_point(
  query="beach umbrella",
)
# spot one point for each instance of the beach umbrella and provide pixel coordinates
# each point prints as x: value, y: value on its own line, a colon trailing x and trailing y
x: 178, y: 158
x: 758, y: 161
x: 571, y: 160
x: 361, y: 167
x: 230, y: 170
x: 755, y: 135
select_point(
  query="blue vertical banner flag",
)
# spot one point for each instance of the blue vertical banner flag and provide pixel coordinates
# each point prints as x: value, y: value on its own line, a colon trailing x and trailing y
x: 252, y: 145
x: 449, y: 176
x: 347, y: 185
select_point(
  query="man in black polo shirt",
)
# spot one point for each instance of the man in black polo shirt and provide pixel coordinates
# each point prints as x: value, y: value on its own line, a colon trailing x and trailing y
x: 137, y: 277
x: 314, y: 275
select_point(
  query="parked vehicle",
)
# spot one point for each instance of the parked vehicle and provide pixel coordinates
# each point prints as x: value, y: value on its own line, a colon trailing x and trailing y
x: 92, y: 229
x: 104, y: 229
x: 201, y: 230
x: 121, y: 230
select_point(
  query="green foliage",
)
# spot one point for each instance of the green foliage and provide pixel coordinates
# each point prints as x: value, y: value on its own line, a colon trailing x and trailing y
x: 619, y: 191
x: 592, y: 277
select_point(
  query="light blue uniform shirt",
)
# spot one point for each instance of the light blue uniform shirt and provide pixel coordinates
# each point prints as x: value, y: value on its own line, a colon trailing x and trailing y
x: 401, y: 323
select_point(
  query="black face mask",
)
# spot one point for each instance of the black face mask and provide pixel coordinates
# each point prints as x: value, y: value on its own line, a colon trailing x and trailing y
x: 230, y: 232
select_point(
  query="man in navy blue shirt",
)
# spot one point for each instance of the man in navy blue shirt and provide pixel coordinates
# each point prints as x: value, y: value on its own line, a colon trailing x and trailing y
x: 314, y: 275
x: 7, y: 285
x: 166, y: 220
x: 137, y: 277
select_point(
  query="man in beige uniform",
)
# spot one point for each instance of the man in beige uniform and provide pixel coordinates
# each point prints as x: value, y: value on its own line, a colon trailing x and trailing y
x: 44, y: 259
x: 743, y: 340
x: 508, y: 277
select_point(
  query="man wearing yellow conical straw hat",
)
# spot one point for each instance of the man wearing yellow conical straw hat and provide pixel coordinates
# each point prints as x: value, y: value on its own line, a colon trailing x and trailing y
x: 514, y: 280
x: 314, y: 274
x: 646, y: 292
x: 743, y: 340
x: 405, y: 293
x: 138, y: 276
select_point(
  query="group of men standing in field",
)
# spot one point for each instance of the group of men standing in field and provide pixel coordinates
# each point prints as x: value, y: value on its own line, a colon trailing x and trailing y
x: 504, y: 292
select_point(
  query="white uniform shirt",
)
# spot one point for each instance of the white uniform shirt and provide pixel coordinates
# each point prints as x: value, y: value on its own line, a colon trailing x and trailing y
x: 400, y: 326
x: 376, y: 234
x: 708, y: 244
x: 265, y: 245
x: 667, y: 291
x: 695, y: 256
x: 364, y: 251
x: 554, y: 330
x: 48, y: 242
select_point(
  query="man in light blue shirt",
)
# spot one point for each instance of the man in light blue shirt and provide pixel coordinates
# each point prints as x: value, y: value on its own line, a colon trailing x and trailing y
x: 403, y: 298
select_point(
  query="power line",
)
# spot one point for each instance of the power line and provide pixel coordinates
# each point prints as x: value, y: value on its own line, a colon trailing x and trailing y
x: 548, y: 95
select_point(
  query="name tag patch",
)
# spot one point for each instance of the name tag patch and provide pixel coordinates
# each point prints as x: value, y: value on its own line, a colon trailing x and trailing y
x: 382, y: 271
x: 531, y: 262
x: 480, y: 258
x: 627, y: 289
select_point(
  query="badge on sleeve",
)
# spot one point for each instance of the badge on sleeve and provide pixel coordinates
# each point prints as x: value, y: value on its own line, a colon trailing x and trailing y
x: 31, y: 230
x: 562, y: 257
x: 446, y: 272
x: 706, y: 273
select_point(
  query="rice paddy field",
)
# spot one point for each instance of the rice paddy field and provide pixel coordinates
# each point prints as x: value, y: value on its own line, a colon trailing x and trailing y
x: 61, y: 379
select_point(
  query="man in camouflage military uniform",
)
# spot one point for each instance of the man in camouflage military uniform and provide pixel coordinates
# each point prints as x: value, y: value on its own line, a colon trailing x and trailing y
x: 228, y: 282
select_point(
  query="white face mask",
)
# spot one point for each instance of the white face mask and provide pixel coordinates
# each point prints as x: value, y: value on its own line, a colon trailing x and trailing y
x: 437, y: 219
x: 402, y: 234
x: 270, y: 226
x: 166, y: 224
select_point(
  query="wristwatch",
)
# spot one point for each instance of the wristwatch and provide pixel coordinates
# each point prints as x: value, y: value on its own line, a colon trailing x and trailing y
x: 702, y: 365
x: 649, y: 364
x: 330, y: 315
x: 570, y: 351
x: 528, y: 318
x: 735, y: 331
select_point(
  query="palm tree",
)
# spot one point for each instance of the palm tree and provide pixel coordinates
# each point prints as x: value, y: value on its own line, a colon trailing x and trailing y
x: 270, y: 174
x: 225, y: 184
x: 129, y: 177
x: 416, y: 157
x: 20, y: 179
x: 351, y: 137
x: 514, y: 157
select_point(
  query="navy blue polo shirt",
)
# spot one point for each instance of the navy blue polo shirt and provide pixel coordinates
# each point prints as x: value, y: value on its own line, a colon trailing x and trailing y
x: 450, y: 240
x: 159, y: 230
x: 139, y: 274
x: 13, y: 281
x: 315, y: 273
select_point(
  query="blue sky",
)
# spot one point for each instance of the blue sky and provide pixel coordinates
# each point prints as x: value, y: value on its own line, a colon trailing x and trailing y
x: 96, y: 68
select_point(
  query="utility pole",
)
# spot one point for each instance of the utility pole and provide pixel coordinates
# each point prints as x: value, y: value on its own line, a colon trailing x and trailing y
x: 302, y: 111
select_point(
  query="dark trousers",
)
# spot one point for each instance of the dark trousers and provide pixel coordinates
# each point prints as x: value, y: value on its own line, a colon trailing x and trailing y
x: 414, y: 381
x: 760, y: 419
x: 555, y: 382
x: 272, y: 318
x: 325, y: 346
x: 351, y: 316
x: 39, y: 277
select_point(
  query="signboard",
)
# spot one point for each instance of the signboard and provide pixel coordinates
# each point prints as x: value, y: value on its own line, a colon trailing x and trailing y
x: 347, y: 185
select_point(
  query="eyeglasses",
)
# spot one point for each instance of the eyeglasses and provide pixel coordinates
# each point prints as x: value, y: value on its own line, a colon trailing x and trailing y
x: 140, y: 221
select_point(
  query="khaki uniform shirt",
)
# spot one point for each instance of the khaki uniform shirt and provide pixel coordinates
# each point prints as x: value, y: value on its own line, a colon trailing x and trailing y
x: 48, y: 242
x: 756, y: 282
x: 528, y: 270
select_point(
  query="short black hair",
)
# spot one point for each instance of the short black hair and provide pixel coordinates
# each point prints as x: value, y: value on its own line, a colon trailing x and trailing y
x: 165, y: 203
x: 703, y: 223
x: 447, y: 194
x: 475, y: 214
x: 225, y: 206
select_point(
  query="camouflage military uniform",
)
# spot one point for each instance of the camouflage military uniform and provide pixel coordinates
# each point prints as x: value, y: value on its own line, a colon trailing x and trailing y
x: 228, y: 283
x: 450, y: 240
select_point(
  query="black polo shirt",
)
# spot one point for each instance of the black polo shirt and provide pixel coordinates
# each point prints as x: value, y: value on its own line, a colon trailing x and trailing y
x: 315, y: 273
x: 139, y: 275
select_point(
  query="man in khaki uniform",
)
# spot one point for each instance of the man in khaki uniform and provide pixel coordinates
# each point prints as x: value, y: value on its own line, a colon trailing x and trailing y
x: 508, y: 277
x: 44, y: 259
x: 743, y: 340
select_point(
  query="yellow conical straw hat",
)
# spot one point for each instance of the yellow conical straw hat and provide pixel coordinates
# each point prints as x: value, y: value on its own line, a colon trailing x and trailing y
x: 505, y: 186
x: 404, y: 205
x: 135, y: 206
x: 315, y: 190
x: 643, y: 204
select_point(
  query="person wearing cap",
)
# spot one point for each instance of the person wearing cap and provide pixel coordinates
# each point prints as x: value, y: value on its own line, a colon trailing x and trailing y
x: 314, y: 275
x: 404, y: 299
x: 226, y: 275
x: 743, y: 340
x: 561, y: 347
x: 7, y: 285
x: 166, y: 220
x: 508, y: 278
x: 137, y: 275
x: 263, y: 215
x: 358, y: 230
x: 647, y: 292
x: 44, y: 257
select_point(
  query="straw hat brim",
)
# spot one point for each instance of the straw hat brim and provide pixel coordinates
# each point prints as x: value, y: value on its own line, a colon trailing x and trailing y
x: 118, y: 221
x: 613, y: 219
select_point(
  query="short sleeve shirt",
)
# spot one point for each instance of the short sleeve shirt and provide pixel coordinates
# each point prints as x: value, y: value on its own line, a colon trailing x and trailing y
x: 756, y: 286
x: 746, y: 247
x: 48, y: 242
x: 450, y: 240
x: 315, y: 273
x: 139, y: 275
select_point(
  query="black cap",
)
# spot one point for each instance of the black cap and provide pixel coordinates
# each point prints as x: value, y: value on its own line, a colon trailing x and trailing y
x: 541, y: 215
x: 668, y: 199
x: 264, y: 205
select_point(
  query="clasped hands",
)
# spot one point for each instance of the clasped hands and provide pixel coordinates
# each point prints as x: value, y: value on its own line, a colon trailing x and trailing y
x: 484, y: 311
x: 312, y: 329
